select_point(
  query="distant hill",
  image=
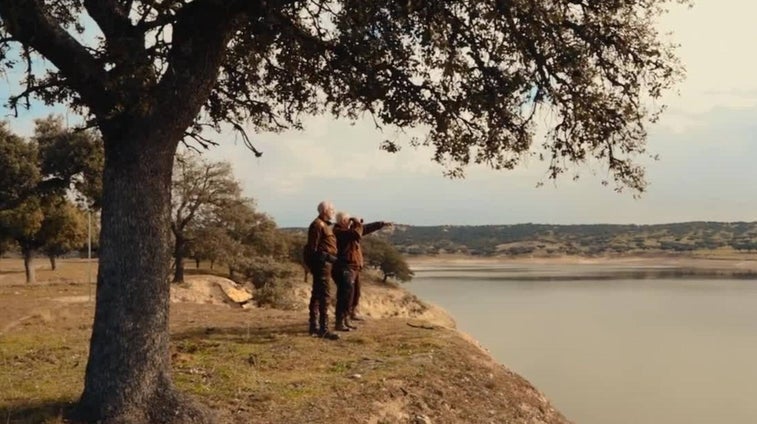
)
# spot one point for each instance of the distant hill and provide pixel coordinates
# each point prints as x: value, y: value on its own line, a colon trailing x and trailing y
x: 582, y: 240
x: 585, y: 240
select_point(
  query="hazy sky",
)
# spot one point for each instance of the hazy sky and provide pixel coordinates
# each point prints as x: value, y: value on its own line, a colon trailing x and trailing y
x: 707, y: 142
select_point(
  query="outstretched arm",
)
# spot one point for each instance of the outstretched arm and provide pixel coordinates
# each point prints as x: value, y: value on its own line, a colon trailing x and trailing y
x: 374, y: 226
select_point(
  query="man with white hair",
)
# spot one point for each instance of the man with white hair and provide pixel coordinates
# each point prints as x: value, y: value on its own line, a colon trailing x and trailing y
x: 320, y: 253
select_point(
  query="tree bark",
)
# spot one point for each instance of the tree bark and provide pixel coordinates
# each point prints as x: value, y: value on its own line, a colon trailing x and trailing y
x: 31, y: 276
x: 178, y: 252
x: 128, y: 373
x: 52, y: 262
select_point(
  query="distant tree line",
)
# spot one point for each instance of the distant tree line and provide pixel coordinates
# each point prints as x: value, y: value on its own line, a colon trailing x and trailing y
x: 545, y: 240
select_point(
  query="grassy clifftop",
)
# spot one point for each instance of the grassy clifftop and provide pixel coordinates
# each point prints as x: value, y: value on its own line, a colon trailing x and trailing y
x: 258, y: 365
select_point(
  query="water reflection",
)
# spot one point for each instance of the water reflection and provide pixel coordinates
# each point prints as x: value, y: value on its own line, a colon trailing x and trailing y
x: 580, y: 272
x: 613, y: 349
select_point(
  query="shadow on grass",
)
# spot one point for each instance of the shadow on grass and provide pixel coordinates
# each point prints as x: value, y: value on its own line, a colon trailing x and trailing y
x: 49, y: 412
x: 245, y: 335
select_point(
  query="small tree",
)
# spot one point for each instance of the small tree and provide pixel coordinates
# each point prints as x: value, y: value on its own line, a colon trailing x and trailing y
x: 211, y: 242
x: 394, y: 265
x: 64, y: 228
x: 23, y: 224
x: 380, y: 254
x: 198, y: 188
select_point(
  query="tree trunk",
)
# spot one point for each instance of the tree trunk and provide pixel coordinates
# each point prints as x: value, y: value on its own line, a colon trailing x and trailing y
x: 212, y: 263
x: 52, y: 262
x: 178, y: 254
x: 197, y: 263
x: 29, y: 265
x: 128, y: 373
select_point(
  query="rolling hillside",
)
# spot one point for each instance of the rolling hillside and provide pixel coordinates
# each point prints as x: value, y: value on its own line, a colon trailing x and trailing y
x: 585, y: 240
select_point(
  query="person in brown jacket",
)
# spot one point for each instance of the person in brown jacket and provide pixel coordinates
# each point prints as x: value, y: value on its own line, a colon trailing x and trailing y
x: 319, y: 255
x: 346, y: 270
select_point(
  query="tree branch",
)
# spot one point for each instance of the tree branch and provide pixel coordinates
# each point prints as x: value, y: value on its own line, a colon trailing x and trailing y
x: 110, y: 16
x: 29, y: 23
x: 201, y: 31
x: 246, y: 139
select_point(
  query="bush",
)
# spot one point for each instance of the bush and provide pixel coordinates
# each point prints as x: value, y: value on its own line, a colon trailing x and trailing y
x: 277, y: 295
x: 272, y: 280
x: 264, y: 271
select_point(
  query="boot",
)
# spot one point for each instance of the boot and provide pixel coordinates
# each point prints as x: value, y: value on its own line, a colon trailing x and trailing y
x: 349, y: 324
x: 324, y: 332
x: 341, y: 325
x: 312, y: 330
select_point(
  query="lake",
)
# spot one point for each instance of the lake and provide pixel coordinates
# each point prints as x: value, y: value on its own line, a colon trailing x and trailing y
x: 606, y: 348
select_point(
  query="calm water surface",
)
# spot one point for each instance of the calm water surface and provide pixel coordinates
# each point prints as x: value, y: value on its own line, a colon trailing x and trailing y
x: 612, y: 350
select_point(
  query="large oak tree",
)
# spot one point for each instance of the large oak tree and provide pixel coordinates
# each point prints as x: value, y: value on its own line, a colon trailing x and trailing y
x: 473, y: 74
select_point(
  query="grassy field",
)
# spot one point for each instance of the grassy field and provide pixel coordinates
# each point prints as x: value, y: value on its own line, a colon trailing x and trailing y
x: 258, y: 365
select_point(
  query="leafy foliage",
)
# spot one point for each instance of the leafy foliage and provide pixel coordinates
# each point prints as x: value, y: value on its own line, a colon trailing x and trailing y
x: 199, y: 190
x: 19, y: 173
x: 64, y: 228
x: 380, y: 254
x: 34, y: 210
x: 71, y: 160
x: 474, y: 74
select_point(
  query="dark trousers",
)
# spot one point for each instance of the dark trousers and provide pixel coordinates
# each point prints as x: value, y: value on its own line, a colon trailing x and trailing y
x: 355, y: 294
x: 319, y: 297
x: 345, y: 279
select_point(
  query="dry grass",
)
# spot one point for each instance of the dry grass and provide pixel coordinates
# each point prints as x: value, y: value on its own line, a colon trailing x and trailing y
x: 260, y: 366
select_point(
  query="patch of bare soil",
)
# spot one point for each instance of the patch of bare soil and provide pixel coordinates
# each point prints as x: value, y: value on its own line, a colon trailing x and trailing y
x: 210, y: 289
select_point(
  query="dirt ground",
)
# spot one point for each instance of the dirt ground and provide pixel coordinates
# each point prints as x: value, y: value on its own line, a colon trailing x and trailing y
x: 405, y: 364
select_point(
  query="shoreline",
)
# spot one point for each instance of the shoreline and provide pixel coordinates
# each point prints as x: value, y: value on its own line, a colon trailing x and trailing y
x: 741, y: 263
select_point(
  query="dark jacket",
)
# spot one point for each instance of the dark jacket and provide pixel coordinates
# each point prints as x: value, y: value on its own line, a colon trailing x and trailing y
x: 348, y: 242
x: 321, y: 244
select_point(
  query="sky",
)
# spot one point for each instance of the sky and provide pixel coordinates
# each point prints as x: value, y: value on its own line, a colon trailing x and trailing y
x: 706, y: 142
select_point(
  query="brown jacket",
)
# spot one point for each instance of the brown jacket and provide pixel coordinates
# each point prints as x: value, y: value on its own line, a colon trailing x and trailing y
x: 321, y: 242
x: 348, y: 242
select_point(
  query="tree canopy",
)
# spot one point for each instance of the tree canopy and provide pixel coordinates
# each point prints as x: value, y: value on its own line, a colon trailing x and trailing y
x: 40, y: 173
x: 473, y: 74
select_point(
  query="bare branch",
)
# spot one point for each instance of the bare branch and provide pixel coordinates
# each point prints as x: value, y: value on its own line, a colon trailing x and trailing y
x: 247, y: 141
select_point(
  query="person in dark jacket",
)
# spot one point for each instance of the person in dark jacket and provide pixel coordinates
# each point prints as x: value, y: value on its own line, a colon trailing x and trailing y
x: 346, y: 271
x: 319, y: 255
